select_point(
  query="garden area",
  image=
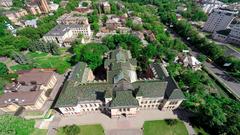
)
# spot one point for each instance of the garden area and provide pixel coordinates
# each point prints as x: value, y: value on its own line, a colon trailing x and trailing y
x: 45, y: 60
x: 164, y: 127
x: 81, y: 130
x: 12, y: 125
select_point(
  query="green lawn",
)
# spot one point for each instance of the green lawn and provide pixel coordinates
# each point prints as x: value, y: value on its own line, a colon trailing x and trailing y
x: 87, y: 130
x: 39, y: 132
x: 44, y: 60
x: 160, y: 127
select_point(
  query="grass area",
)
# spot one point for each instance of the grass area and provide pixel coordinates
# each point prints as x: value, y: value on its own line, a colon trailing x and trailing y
x: 20, y: 67
x: 45, y: 60
x: 160, y: 127
x: 200, y: 131
x: 39, y: 132
x: 87, y: 130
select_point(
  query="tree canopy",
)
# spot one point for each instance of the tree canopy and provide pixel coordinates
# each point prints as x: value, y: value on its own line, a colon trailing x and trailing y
x: 91, y: 53
x: 3, y: 69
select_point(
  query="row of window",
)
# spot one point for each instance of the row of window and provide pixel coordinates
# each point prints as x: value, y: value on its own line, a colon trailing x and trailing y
x: 149, y: 106
x: 173, y: 102
x: 90, y: 105
x: 154, y: 101
x: 87, y: 110
x: 124, y: 109
x: 69, y: 109
x: 170, y: 107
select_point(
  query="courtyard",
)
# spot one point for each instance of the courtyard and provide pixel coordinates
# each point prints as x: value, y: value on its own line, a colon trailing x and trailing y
x: 119, y: 126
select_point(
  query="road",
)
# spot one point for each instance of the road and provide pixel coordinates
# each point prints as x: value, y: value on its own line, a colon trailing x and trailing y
x: 229, y: 81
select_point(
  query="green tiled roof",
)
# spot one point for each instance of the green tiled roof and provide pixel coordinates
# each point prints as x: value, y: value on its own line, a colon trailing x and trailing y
x: 124, y: 99
x: 79, y: 72
x: 176, y: 94
x: 68, y: 96
x: 119, y: 63
x: 73, y: 92
x: 150, y: 88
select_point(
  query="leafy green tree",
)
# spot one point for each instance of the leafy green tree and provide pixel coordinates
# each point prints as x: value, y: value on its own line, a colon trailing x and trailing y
x: 91, y: 53
x: 133, y: 43
x: 95, y: 27
x: 202, y: 58
x: 171, y: 121
x: 29, y: 32
x: 113, y: 7
x: 18, y: 3
x: 3, y: 69
x: 71, y: 130
x: 85, y: 4
x: 20, y: 58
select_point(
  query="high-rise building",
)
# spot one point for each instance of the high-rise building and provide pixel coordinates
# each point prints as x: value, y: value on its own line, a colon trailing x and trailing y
x: 44, y: 6
x: 219, y: 19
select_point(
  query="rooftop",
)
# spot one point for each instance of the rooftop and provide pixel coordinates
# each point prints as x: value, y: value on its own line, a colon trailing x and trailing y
x: 123, y: 92
x: 38, y: 76
x: 61, y: 29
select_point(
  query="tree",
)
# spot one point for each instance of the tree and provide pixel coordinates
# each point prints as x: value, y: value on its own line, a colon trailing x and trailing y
x: 71, y: 130
x: 133, y: 43
x: 84, y: 4
x: 20, y: 58
x: 95, y: 27
x: 91, y: 53
x: 18, y: 3
x: 171, y: 122
x: 49, y: 47
x: 29, y: 32
x: 202, y: 58
x: 3, y: 69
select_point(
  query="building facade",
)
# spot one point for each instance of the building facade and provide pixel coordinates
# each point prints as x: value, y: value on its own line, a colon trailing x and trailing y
x: 6, y: 3
x: 16, y: 15
x: 34, y: 9
x: 72, y: 18
x: 234, y: 35
x: 106, y: 7
x: 63, y: 35
x: 219, y: 19
x: 28, y: 91
x: 43, y: 5
x: 122, y: 93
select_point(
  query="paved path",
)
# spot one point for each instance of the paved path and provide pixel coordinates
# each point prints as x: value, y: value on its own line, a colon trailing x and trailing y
x: 115, y: 126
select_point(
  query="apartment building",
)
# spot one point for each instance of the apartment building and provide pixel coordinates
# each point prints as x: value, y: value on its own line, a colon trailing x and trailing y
x: 43, y: 5
x: 231, y: 35
x: 34, y: 9
x: 219, y: 19
x: 63, y: 35
x: 234, y: 35
x: 28, y: 91
x: 16, y: 15
x: 72, y: 18
x: 122, y: 93
x: 6, y: 3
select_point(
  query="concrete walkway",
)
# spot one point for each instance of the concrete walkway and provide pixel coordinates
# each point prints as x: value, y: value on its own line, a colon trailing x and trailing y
x: 115, y: 126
